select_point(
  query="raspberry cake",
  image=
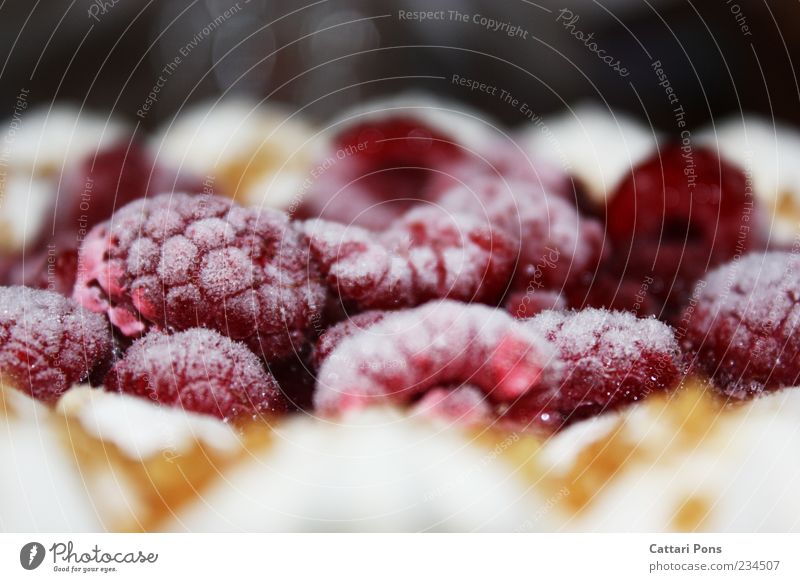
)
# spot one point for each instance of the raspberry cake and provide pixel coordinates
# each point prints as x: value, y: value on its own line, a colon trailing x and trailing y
x: 447, y: 333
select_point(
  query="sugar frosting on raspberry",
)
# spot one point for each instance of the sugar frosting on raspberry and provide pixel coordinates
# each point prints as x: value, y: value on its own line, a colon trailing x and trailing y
x: 554, y: 243
x: 742, y: 324
x: 47, y: 342
x: 335, y: 334
x: 438, y: 344
x: 176, y: 261
x: 428, y: 254
x: 198, y: 370
x: 607, y: 359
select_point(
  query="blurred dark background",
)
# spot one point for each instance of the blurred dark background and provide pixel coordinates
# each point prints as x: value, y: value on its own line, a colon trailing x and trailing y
x: 721, y: 56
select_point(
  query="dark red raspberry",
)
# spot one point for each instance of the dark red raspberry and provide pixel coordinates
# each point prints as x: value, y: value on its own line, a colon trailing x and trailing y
x: 47, y: 342
x: 428, y: 254
x: 608, y: 288
x: 678, y: 214
x: 499, y: 160
x: 177, y: 261
x: 199, y: 370
x: 334, y: 335
x: 376, y: 170
x: 743, y: 324
x: 555, y: 244
x: 443, y: 343
x: 524, y: 305
x: 53, y: 269
x: 603, y: 359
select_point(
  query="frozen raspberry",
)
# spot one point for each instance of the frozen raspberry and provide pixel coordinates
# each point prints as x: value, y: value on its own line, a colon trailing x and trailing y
x: 53, y: 269
x: 526, y: 304
x: 334, y: 335
x: 429, y: 254
x: 109, y: 180
x: 177, y: 261
x: 443, y: 343
x: 463, y: 404
x: 47, y: 342
x: 613, y: 288
x: 678, y: 215
x: 199, y: 370
x: 503, y: 160
x: 555, y: 244
x: 377, y: 170
x: 743, y: 324
x: 603, y: 359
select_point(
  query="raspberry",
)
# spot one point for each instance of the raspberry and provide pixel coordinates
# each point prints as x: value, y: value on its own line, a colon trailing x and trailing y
x: 47, y: 342
x: 603, y: 359
x: 176, y: 261
x: 742, y: 324
x: 676, y: 216
x: 429, y: 254
x: 524, y: 305
x: 443, y: 343
x: 555, y: 244
x: 503, y: 160
x: 464, y: 404
x: 379, y: 169
x: 53, y: 269
x: 334, y: 335
x: 199, y: 370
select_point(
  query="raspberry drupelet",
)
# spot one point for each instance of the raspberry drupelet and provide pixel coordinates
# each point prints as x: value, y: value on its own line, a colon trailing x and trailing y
x: 176, y: 261
x: 47, y: 342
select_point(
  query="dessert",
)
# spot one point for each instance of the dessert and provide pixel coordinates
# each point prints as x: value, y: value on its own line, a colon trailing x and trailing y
x: 414, y: 345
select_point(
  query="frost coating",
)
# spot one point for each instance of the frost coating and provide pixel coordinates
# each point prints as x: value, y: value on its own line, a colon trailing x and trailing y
x: 47, y: 342
x: 197, y: 369
x: 606, y: 358
x: 743, y: 324
x: 429, y: 254
x: 442, y: 343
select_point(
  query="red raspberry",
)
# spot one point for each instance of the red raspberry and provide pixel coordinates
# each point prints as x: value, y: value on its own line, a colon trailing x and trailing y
x: 429, y: 254
x: 53, y: 269
x: 443, y: 343
x: 500, y: 160
x: 334, y: 335
x: 47, y: 342
x: 555, y: 244
x: 743, y: 324
x: 524, y: 305
x: 676, y: 216
x: 603, y: 359
x: 463, y: 404
x: 199, y: 370
x: 377, y: 170
x: 176, y: 261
